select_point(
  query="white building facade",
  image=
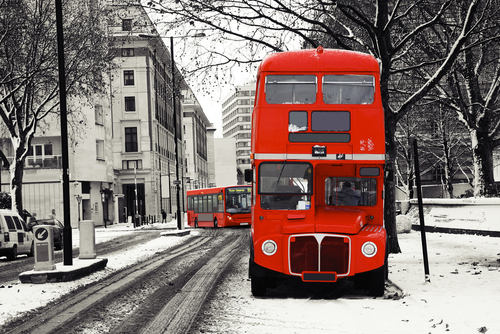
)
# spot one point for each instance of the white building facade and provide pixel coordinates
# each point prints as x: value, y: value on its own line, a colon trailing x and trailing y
x: 237, y: 123
x: 195, y: 128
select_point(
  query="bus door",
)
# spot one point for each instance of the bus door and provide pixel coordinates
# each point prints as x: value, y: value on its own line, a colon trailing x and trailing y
x: 343, y: 199
x: 205, y: 210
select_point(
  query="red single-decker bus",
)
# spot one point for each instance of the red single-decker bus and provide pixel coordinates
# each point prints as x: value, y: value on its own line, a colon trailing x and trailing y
x: 219, y: 207
x: 318, y: 155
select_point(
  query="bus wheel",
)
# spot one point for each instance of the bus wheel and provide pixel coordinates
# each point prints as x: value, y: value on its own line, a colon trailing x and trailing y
x: 376, y: 283
x: 258, y: 285
x: 196, y: 223
x: 215, y: 223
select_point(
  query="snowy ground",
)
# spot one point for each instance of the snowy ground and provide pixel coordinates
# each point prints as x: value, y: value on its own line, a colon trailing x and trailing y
x: 463, y: 295
x: 16, y: 298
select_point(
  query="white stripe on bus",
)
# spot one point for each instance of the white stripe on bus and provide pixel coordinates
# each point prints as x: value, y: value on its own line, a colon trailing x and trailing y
x: 284, y: 156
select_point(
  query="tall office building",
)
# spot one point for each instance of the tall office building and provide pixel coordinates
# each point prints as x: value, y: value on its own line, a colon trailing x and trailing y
x: 237, y: 123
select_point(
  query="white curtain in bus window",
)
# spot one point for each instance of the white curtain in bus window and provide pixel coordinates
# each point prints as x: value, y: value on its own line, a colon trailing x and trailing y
x: 348, y: 89
x: 339, y: 121
x: 291, y: 89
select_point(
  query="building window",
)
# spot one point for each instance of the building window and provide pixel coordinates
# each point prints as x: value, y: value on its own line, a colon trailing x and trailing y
x: 99, y: 149
x: 130, y: 139
x: 129, y: 103
x: 127, y: 52
x: 99, y: 119
x: 130, y: 164
x: 47, y: 149
x: 128, y: 77
x: 127, y: 25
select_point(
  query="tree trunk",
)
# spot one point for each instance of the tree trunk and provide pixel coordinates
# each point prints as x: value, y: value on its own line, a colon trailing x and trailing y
x: 16, y: 184
x: 482, y: 152
x: 390, y: 187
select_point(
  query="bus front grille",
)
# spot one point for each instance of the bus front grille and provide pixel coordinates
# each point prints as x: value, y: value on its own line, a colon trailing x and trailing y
x: 330, y: 255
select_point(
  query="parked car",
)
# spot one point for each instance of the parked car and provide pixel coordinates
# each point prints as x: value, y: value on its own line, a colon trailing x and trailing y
x: 15, y: 236
x: 57, y: 229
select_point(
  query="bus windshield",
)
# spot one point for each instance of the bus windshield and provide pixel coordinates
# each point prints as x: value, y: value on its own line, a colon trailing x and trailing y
x: 285, y: 185
x: 238, y: 200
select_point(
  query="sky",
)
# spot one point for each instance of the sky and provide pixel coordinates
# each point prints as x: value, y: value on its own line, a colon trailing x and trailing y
x: 212, y: 104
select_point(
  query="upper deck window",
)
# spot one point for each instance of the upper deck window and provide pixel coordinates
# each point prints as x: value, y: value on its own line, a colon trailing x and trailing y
x: 291, y: 89
x: 331, y: 121
x: 297, y: 121
x: 348, y: 89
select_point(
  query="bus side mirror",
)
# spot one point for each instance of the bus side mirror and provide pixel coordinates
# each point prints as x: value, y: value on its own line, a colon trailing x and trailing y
x: 248, y: 175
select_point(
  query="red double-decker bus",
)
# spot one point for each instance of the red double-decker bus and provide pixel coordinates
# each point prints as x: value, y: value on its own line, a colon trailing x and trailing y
x: 318, y: 154
x: 219, y: 207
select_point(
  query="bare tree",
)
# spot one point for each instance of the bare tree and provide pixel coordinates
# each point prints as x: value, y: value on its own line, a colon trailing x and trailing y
x: 29, y: 85
x: 473, y: 92
x: 446, y: 145
x: 389, y: 30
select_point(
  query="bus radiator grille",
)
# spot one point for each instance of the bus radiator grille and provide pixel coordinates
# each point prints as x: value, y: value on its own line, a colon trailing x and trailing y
x: 307, y: 255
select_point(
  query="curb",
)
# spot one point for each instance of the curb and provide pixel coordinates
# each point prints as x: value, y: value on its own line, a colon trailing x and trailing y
x: 178, y: 233
x: 453, y: 230
x: 79, y: 269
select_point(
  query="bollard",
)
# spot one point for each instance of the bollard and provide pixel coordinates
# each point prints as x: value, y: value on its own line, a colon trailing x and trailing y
x: 44, y: 248
x: 87, y: 240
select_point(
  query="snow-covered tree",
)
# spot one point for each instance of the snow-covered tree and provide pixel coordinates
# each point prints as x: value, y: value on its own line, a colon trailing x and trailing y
x: 395, y: 32
x: 29, y: 84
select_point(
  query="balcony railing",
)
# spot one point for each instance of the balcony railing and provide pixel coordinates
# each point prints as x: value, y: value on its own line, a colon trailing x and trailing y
x: 48, y: 161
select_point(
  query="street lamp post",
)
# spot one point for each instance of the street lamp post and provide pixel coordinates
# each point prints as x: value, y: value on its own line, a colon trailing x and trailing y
x: 136, y: 213
x: 178, y: 181
x: 176, y: 141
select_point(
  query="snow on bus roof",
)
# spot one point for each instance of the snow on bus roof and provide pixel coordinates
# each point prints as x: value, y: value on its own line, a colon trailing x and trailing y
x: 319, y: 60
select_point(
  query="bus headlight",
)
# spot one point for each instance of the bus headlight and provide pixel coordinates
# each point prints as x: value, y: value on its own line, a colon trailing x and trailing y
x: 369, y: 249
x: 269, y: 247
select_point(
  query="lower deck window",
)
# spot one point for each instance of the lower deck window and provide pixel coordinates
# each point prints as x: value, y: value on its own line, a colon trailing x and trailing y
x: 350, y: 191
x: 285, y: 186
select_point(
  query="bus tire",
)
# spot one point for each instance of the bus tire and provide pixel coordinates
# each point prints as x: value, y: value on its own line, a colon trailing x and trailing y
x: 196, y: 223
x: 259, y: 287
x: 258, y: 279
x: 376, y: 283
x: 215, y: 223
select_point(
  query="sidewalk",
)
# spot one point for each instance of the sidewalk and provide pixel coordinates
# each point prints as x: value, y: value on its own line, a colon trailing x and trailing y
x: 469, y: 216
x: 84, y: 267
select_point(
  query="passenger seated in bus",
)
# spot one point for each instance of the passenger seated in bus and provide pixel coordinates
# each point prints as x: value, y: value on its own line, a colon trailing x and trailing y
x: 347, y: 196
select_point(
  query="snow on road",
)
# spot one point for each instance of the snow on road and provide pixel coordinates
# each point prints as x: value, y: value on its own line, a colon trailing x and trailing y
x: 17, y: 298
x: 462, y: 297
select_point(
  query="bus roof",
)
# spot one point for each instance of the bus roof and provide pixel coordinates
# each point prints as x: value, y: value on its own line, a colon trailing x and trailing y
x: 324, y: 60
